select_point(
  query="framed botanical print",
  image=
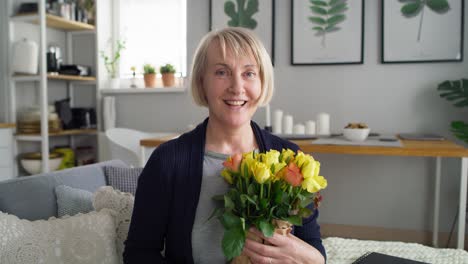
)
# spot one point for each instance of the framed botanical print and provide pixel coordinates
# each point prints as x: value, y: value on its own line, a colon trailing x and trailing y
x: 257, y: 15
x: 422, y: 31
x: 327, y: 32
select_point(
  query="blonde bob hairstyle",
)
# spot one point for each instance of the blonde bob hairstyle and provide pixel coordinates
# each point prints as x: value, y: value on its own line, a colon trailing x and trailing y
x: 240, y: 42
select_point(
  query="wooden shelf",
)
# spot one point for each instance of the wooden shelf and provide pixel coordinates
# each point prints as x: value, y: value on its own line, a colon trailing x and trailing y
x: 7, y: 125
x: 71, y: 77
x: 63, y: 77
x: 143, y: 90
x: 54, y: 21
x: 68, y: 132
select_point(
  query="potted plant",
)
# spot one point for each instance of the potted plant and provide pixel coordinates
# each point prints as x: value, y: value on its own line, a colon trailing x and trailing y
x: 111, y: 63
x: 167, y: 72
x: 149, y: 75
x: 457, y: 92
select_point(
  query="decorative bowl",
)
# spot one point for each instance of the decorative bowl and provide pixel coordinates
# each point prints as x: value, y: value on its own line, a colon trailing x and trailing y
x: 356, y: 134
x: 32, y: 162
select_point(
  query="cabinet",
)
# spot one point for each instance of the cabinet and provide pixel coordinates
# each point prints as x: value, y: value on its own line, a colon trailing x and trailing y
x: 44, y: 88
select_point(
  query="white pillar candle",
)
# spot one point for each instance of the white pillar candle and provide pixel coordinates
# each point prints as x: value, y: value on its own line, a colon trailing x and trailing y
x: 287, y: 124
x: 277, y: 121
x: 323, y: 124
x: 310, y: 128
x: 268, y: 117
x: 299, y: 129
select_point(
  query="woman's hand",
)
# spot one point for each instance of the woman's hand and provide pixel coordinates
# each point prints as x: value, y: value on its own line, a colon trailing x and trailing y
x: 283, y: 249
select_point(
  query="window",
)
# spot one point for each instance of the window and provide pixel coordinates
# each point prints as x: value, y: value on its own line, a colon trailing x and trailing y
x: 154, y: 32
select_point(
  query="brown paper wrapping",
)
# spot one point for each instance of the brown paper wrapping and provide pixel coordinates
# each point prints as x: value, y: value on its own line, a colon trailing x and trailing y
x: 281, y: 227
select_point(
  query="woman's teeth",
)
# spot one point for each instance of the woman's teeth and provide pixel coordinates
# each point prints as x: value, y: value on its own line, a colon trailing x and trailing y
x: 235, y: 103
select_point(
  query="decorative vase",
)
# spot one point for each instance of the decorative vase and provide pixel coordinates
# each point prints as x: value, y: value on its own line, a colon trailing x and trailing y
x: 114, y: 83
x: 168, y: 79
x: 150, y: 80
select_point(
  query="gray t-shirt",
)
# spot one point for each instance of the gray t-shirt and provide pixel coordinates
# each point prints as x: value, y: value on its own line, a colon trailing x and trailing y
x: 207, y: 236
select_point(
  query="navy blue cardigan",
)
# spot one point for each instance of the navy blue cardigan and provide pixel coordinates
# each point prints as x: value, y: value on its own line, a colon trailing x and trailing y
x: 167, y: 198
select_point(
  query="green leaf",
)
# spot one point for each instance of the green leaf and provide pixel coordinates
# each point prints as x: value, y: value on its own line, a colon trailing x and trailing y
x: 318, y: 20
x: 305, y: 212
x: 460, y: 130
x: 218, y: 212
x: 318, y: 10
x: 340, y: 8
x: 247, y: 198
x: 295, y: 220
x: 228, y: 203
x: 266, y: 228
x: 336, y: 19
x: 438, y: 5
x: 318, y: 3
x: 462, y: 103
x: 243, y: 17
x: 233, y: 242
x: 320, y: 29
x: 334, y: 2
x: 246, y: 171
x: 230, y: 221
x: 229, y: 10
x: 219, y: 197
x: 251, y: 190
x: 411, y: 9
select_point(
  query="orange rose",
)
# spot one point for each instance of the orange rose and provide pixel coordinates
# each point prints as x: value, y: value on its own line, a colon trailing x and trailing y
x: 292, y: 174
x: 233, y: 162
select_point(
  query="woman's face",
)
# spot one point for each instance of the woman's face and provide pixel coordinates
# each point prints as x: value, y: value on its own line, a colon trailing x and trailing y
x: 232, y: 87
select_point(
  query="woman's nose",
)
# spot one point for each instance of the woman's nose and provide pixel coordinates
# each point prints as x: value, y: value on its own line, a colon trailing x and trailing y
x: 237, y: 84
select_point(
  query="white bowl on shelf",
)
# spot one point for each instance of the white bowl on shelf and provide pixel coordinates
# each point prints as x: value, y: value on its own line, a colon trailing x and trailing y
x: 356, y: 134
x: 32, y: 162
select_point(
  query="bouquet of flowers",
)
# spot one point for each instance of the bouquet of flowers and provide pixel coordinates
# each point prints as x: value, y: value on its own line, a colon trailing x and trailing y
x: 270, y: 191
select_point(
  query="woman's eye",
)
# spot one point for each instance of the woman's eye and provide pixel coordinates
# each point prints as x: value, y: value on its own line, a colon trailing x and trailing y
x: 250, y: 74
x: 221, y: 73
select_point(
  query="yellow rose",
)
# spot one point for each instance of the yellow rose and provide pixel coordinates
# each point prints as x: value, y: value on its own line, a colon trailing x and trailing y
x: 271, y: 157
x: 277, y: 169
x: 248, y: 161
x: 261, y: 172
x: 314, y: 184
x: 310, y: 169
x: 302, y: 158
x: 287, y: 154
x: 227, y: 176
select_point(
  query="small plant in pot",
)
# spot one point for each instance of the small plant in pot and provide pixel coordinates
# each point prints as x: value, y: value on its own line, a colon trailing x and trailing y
x: 167, y: 72
x: 111, y: 63
x: 149, y: 75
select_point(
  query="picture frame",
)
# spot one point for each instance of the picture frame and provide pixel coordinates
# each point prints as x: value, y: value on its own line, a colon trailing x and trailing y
x: 264, y: 19
x: 411, y: 35
x: 318, y: 40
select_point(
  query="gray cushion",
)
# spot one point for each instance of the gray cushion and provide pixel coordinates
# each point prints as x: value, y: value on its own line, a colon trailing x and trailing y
x: 33, y: 197
x: 123, y: 179
x: 71, y: 201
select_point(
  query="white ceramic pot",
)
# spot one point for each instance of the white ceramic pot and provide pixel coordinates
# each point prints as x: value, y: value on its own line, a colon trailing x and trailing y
x: 114, y: 83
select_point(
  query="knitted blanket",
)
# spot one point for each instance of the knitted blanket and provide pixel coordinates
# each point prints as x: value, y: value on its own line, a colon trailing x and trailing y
x: 345, y: 251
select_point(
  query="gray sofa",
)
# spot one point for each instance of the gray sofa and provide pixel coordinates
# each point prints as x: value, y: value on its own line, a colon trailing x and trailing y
x: 33, y: 197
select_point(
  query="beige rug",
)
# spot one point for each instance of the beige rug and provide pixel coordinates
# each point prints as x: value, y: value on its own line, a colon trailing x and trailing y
x: 345, y: 251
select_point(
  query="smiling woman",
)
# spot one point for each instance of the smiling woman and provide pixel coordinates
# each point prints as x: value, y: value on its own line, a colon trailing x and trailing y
x: 232, y: 75
x: 155, y: 32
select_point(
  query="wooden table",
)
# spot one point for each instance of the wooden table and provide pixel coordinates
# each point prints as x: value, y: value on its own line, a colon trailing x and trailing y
x: 410, y: 148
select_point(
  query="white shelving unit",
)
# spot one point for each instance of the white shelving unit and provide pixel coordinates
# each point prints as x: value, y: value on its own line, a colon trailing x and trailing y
x: 70, y: 28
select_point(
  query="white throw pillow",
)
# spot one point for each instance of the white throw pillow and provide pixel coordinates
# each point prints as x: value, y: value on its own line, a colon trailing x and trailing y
x: 107, y: 197
x: 83, y: 238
